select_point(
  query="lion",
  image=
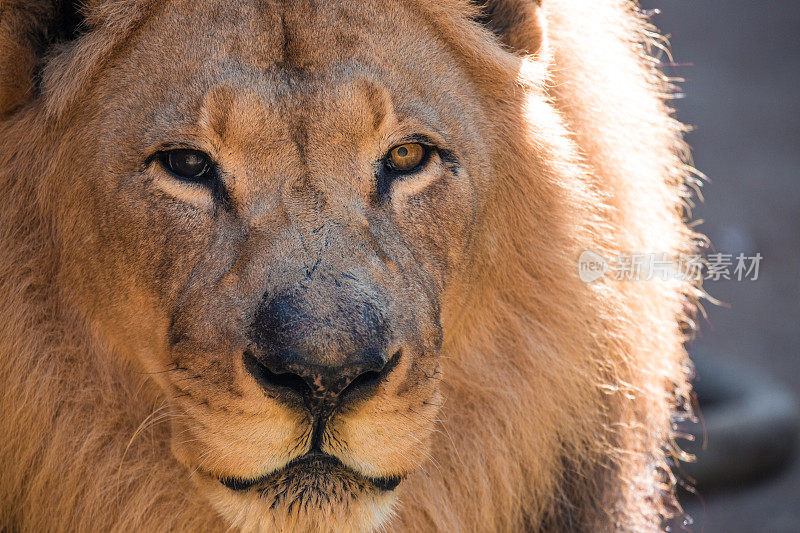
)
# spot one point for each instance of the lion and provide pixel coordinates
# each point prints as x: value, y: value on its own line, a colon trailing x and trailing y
x: 312, y: 266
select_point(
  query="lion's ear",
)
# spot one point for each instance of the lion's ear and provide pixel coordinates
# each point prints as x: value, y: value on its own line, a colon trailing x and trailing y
x: 29, y: 29
x: 518, y: 23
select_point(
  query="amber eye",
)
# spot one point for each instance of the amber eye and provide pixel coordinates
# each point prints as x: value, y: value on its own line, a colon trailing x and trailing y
x: 190, y: 165
x: 406, y: 157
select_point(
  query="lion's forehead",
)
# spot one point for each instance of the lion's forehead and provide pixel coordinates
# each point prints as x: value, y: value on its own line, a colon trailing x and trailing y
x: 156, y: 54
x: 321, y: 59
x: 294, y: 39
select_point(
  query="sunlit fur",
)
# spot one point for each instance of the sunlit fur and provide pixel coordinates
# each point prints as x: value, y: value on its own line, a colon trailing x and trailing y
x: 551, y: 403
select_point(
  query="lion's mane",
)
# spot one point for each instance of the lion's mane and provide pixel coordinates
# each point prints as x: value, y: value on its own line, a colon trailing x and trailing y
x: 559, y: 394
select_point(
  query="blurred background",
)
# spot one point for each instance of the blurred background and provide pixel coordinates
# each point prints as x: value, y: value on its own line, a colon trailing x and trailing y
x: 741, y: 64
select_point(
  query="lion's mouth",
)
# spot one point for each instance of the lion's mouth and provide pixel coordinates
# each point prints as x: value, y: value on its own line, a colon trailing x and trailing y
x: 314, y: 469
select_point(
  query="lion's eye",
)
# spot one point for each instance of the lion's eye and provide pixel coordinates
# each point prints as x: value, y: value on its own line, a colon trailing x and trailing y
x: 190, y: 165
x: 406, y: 157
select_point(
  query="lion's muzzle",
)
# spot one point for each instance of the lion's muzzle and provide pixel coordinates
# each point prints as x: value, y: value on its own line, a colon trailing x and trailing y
x: 320, y: 354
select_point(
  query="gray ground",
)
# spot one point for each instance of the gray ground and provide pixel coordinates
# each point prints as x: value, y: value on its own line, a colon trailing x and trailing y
x: 743, y: 96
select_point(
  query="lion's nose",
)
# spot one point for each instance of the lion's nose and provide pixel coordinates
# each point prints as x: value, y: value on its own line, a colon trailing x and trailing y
x: 317, y: 383
x: 319, y: 353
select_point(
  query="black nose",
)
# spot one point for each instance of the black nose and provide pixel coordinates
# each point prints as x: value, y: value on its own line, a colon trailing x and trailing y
x: 320, y: 351
x: 317, y: 383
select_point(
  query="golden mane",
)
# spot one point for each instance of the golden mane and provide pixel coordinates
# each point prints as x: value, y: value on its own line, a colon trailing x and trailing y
x: 559, y: 395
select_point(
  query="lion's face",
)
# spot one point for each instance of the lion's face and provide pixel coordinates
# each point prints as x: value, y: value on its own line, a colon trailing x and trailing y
x: 275, y: 220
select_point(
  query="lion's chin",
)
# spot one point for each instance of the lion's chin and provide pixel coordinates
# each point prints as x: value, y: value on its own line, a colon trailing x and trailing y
x: 315, y: 492
x: 314, y: 475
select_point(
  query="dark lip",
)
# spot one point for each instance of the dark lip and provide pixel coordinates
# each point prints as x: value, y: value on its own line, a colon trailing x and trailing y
x: 384, y: 484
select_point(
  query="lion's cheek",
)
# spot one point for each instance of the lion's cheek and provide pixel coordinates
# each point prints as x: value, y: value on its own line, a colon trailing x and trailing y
x: 439, y: 220
x: 389, y: 439
x: 227, y: 443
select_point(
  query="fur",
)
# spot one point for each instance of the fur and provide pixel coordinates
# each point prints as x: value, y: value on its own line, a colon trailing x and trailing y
x: 555, y: 398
